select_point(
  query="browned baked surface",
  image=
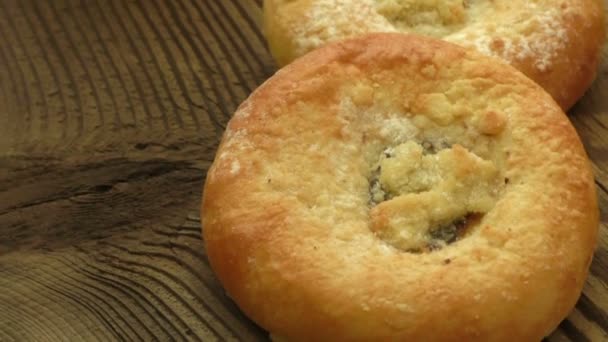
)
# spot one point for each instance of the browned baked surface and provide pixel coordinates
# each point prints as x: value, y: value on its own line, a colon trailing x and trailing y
x: 325, y: 211
x: 555, y: 43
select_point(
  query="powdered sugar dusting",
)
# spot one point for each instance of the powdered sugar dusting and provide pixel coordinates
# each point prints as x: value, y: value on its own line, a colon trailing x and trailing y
x: 234, y: 141
x: 519, y: 37
x: 244, y: 110
x: 235, y: 166
x: 397, y: 128
x: 528, y: 32
x: 330, y: 20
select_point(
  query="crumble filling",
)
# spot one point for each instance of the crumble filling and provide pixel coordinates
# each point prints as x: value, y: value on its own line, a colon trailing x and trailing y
x: 426, y: 195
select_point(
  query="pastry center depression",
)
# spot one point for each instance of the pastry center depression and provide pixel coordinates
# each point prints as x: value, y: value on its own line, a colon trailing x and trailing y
x: 435, y: 18
x: 426, y: 196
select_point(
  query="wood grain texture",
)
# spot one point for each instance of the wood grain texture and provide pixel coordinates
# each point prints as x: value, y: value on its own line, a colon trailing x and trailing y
x: 110, y: 114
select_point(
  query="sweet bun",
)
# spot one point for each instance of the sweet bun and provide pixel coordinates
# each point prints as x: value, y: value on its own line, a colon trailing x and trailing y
x: 555, y: 43
x: 394, y: 187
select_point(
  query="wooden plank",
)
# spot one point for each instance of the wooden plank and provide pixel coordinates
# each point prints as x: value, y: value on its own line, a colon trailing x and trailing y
x: 112, y: 111
x: 111, y: 114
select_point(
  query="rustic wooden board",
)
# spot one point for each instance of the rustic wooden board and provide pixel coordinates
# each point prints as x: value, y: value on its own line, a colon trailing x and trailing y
x: 110, y: 113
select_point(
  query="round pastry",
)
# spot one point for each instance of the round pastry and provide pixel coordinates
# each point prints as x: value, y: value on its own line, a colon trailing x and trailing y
x: 555, y: 43
x: 400, y: 188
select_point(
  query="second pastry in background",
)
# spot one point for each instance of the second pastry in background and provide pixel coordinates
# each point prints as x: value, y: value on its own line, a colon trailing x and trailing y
x: 555, y: 43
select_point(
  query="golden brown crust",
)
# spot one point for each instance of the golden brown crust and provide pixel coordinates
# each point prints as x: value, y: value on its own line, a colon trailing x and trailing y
x: 556, y: 44
x: 287, y: 212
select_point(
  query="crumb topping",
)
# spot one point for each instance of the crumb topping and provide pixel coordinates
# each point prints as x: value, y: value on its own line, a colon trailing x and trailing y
x: 534, y: 30
x: 435, y: 18
x: 425, y: 197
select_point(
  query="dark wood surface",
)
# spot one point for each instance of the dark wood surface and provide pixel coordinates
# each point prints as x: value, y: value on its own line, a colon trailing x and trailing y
x: 110, y: 114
